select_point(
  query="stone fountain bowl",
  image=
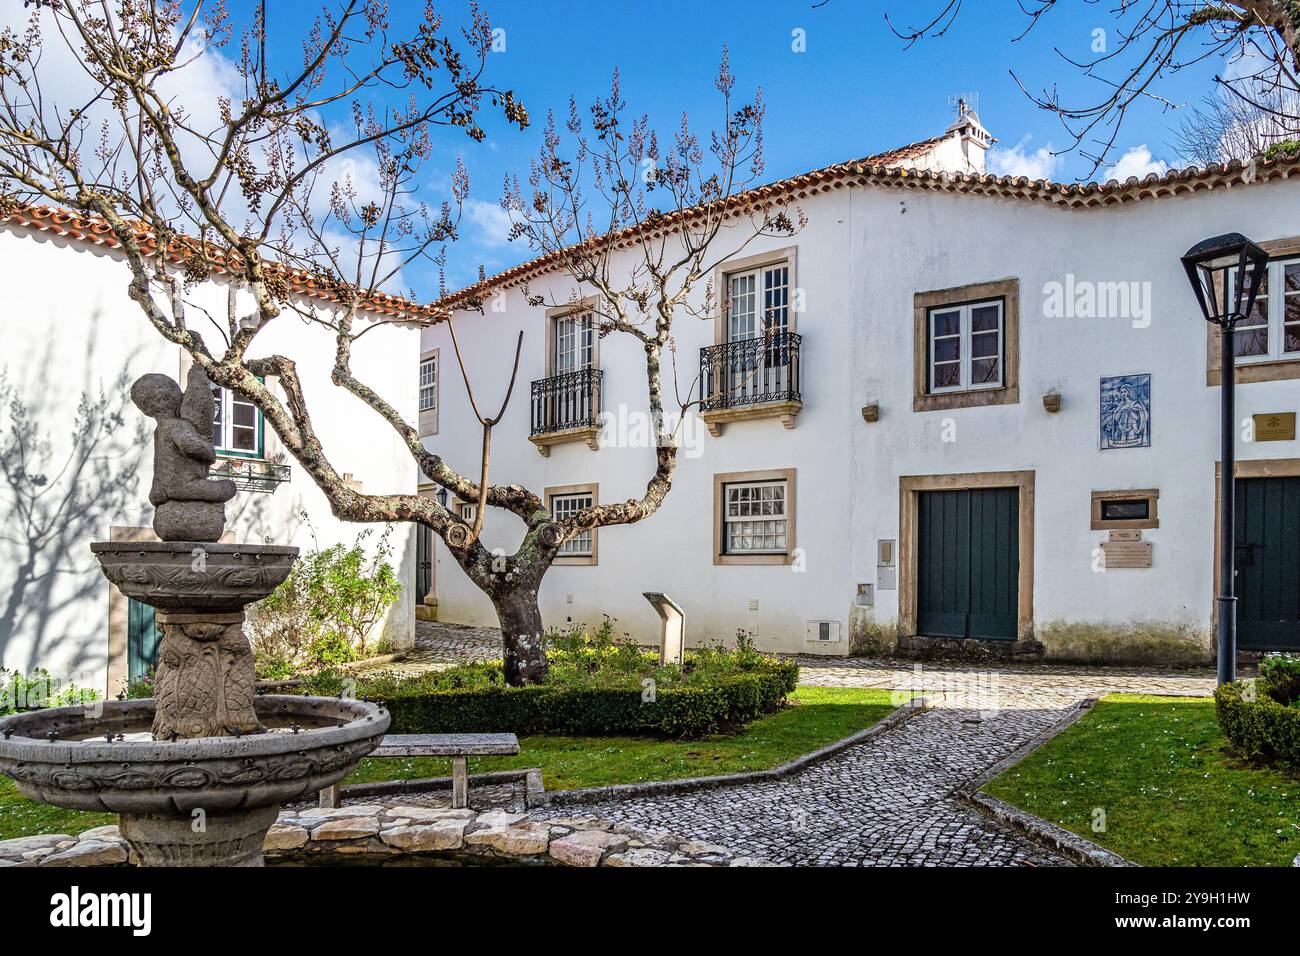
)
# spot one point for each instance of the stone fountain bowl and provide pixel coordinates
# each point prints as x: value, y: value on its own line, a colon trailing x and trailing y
x: 81, y: 770
x: 192, y: 576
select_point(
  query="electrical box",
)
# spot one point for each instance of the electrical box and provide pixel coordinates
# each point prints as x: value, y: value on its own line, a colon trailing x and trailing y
x: 823, y: 632
x: 886, y: 564
x: 866, y: 596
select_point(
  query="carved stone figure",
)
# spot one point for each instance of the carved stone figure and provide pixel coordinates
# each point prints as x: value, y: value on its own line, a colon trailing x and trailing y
x: 188, y: 506
x: 205, y: 684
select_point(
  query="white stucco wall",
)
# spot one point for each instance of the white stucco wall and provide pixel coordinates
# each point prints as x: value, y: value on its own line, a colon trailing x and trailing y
x: 863, y: 255
x: 68, y: 330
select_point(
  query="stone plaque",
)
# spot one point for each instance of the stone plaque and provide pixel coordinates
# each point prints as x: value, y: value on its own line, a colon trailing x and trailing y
x: 1118, y: 555
x: 1275, y: 426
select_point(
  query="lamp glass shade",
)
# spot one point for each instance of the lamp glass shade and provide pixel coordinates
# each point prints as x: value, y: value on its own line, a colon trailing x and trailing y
x: 1226, y: 273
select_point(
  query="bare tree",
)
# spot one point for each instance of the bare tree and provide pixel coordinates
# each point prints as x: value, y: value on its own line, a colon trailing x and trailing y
x: 256, y: 195
x: 1226, y: 127
x: 638, y: 224
x: 1259, y: 39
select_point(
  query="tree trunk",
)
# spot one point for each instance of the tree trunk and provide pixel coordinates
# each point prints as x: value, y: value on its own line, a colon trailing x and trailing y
x: 521, y: 635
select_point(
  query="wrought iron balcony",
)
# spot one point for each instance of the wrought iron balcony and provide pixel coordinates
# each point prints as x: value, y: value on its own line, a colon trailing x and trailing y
x: 251, y: 474
x: 567, y: 402
x: 750, y: 372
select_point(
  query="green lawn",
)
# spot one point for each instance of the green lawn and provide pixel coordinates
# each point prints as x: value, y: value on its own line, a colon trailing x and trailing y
x: 819, y: 716
x: 1172, y: 794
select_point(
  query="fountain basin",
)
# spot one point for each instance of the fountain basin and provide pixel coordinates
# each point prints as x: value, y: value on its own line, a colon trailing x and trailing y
x: 194, y: 577
x: 234, y: 785
x: 80, y: 770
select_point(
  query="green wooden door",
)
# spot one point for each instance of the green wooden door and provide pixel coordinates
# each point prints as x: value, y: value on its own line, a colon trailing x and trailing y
x: 142, y: 639
x: 1268, y: 564
x: 968, y: 563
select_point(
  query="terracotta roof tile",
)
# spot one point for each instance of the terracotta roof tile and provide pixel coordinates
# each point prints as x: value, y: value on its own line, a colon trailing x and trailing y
x: 69, y: 224
x: 879, y: 170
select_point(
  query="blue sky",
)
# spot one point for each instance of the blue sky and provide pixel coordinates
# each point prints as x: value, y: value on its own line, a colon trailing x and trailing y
x: 854, y: 90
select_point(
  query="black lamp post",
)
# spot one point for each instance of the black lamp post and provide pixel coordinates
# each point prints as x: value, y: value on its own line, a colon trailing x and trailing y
x: 1226, y: 273
x: 442, y: 497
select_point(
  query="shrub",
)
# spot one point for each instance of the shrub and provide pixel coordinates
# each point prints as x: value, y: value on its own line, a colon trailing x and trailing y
x: 323, y: 613
x: 38, y: 690
x: 1283, y: 147
x: 1282, y: 674
x: 595, y: 686
x: 1256, y: 718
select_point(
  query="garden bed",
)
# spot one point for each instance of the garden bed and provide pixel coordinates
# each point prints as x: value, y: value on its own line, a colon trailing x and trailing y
x: 594, y: 687
x: 1155, y: 780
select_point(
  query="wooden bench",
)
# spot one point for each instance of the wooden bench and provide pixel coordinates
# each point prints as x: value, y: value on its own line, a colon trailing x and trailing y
x: 459, y: 747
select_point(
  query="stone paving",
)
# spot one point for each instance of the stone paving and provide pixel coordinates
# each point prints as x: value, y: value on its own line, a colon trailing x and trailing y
x: 888, y: 801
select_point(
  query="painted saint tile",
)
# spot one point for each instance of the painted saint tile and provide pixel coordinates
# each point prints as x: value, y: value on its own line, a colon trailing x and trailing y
x: 1126, y: 411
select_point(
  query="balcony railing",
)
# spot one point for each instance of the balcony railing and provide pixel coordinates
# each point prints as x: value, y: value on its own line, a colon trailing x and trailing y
x: 747, y: 372
x: 570, y: 400
x: 251, y: 474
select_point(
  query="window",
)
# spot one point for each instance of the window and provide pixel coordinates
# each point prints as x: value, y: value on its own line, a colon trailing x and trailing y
x: 566, y: 506
x: 1272, y: 330
x: 430, y: 374
x: 468, y: 511
x: 753, y: 515
x: 758, y: 302
x: 965, y: 347
x: 1125, y: 509
x: 575, y: 343
x: 755, y: 518
x: 565, y: 502
x: 236, y: 424
x: 429, y: 384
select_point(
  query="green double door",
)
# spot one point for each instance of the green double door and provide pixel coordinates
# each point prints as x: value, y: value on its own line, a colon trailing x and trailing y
x: 142, y: 639
x: 968, y: 563
x: 1267, y: 556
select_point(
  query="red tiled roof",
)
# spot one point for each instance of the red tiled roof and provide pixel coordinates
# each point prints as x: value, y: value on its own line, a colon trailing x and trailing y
x: 879, y: 170
x: 96, y: 231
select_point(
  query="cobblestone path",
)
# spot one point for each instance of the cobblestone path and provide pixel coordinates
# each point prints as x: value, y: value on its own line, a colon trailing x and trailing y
x: 888, y: 801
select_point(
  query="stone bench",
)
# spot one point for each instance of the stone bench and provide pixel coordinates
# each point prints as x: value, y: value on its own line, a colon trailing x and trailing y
x: 459, y: 747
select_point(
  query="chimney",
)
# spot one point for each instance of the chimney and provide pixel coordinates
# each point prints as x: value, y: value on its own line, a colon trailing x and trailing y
x: 972, y: 139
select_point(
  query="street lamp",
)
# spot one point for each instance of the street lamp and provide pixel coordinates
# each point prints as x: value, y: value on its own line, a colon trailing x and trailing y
x: 1226, y: 273
x: 442, y: 497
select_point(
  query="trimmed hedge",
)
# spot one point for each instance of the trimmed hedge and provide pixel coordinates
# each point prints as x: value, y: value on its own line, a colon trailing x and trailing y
x: 1262, y: 728
x: 690, y: 711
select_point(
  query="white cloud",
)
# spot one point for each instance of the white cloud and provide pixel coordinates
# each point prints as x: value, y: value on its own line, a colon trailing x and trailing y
x: 491, y: 221
x: 1138, y: 162
x: 1042, y: 163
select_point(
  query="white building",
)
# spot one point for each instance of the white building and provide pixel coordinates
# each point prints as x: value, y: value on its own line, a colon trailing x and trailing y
x: 71, y: 343
x: 920, y: 462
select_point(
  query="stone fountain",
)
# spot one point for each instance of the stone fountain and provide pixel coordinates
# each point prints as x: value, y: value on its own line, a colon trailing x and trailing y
x: 198, y: 773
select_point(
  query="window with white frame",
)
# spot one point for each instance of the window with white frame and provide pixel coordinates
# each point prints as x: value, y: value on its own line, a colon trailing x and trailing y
x: 566, y: 506
x: 575, y: 343
x: 755, y: 519
x: 1272, y: 330
x: 236, y: 424
x: 468, y: 511
x: 429, y: 384
x: 758, y: 302
x: 966, y: 347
